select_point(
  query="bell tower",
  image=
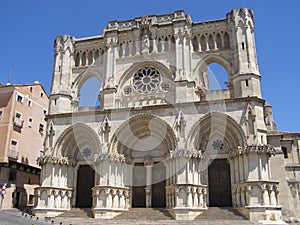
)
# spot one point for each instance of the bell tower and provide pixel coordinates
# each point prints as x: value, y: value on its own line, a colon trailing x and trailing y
x: 246, y: 76
x: 61, y: 96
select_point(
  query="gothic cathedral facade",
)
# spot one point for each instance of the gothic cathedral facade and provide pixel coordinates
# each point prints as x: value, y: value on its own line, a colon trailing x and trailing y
x: 161, y: 136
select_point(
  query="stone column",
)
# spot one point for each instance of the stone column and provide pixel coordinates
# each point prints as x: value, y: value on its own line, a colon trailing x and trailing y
x: 148, y: 188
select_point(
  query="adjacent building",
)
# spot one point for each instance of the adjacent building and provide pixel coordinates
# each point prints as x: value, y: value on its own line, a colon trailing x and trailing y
x: 162, y: 135
x: 22, y: 131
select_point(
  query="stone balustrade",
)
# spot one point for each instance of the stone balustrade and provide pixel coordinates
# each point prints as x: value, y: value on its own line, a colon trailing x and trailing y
x: 109, y: 201
x: 52, y: 201
x: 186, y: 196
x: 255, y: 193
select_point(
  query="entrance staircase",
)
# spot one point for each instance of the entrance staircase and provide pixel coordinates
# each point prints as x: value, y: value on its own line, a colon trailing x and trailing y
x: 153, y: 216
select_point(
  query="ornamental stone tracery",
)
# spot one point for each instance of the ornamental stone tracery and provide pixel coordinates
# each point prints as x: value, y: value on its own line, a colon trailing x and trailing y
x: 146, y: 80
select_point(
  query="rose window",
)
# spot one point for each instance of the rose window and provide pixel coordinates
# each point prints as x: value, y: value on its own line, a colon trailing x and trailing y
x: 146, y: 80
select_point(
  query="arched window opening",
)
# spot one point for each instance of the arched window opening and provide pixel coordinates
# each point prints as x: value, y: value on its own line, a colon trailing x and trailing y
x: 89, y: 93
x: 219, y: 41
x: 77, y: 60
x: 195, y: 44
x: 285, y: 153
x: 217, y: 77
x: 226, y: 41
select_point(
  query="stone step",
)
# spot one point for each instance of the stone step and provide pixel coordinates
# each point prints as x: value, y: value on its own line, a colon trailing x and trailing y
x: 145, y: 213
x: 77, y: 213
x: 221, y: 213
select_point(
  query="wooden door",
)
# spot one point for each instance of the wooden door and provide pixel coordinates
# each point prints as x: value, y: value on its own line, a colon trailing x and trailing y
x: 159, y: 195
x: 158, y: 186
x: 138, y: 197
x: 219, y: 183
x: 85, y: 183
x: 139, y: 184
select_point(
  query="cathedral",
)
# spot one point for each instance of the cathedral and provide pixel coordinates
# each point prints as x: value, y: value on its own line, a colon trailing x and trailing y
x: 162, y: 137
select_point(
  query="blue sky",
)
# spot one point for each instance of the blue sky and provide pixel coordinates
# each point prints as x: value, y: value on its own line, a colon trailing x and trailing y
x: 28, y: 29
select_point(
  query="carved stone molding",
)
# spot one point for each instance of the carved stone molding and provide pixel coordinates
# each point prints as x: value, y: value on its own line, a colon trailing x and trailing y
x: 259, y: 149
x: 53, y: 160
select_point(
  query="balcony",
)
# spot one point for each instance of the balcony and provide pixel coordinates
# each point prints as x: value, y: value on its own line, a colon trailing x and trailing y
x: 13, y: 153
x: 18, y: 122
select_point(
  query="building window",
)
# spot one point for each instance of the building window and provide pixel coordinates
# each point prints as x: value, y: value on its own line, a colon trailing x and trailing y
x: 29, y: 103
x: 13, y: 152
x: 42, y: 95
x: 29, y: 122
x: 20, y: 98
x: 41, y: 129
x: 1, y: 114
x: 18, y: 120
x: 45, y: 111
x: 285, y: 153
x: 31, y: 88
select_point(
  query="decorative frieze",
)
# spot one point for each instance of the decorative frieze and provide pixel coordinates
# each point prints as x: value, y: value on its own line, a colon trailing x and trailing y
x: 186, y: 153
x: 53, y: 160
x: 112, y: 156
x: 259, y: 149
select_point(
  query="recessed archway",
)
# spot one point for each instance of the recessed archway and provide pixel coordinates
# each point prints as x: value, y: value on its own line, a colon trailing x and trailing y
x: 146, y: 141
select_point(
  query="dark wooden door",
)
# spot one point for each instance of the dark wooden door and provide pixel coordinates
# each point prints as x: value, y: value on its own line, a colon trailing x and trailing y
x: 138, y: 197
x: 85, y: 183
x: 159, y: 195
x: 139, y: 184
x: 158, y: 199
x: 219, y: 183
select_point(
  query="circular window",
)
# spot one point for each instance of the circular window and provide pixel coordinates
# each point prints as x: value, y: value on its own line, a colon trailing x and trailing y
x: 218, y: 145
x: 146, y: 80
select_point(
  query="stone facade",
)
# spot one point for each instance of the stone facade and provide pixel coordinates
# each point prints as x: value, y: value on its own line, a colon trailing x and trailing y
x: 161, y: 137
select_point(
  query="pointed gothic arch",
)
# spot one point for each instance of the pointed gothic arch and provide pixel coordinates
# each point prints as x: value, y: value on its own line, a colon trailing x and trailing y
x: 76, y: 137
x: 212, y: 125
x: 163, y: 69
x: 137, y: 129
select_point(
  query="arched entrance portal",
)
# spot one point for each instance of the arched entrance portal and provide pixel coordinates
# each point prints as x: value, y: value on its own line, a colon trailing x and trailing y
x: 145, y: 141
x: 85, y: 183
x: 216, y: 135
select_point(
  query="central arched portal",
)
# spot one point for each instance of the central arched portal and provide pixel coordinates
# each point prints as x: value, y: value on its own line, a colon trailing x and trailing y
x: 146, y: 141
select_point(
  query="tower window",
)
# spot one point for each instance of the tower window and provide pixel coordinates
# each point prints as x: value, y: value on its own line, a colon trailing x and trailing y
x: 284, y: 151
x: 1, y: 114
x: 31, y: 88
x: 29, y: 103
x: 243, y: 45
x: 247, y: 83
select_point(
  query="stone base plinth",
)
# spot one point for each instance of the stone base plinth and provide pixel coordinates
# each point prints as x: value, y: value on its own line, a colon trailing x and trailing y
x: 263, y: 214
x: 104, y: 213
x: 185, y: 213
x: 48, y: 213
